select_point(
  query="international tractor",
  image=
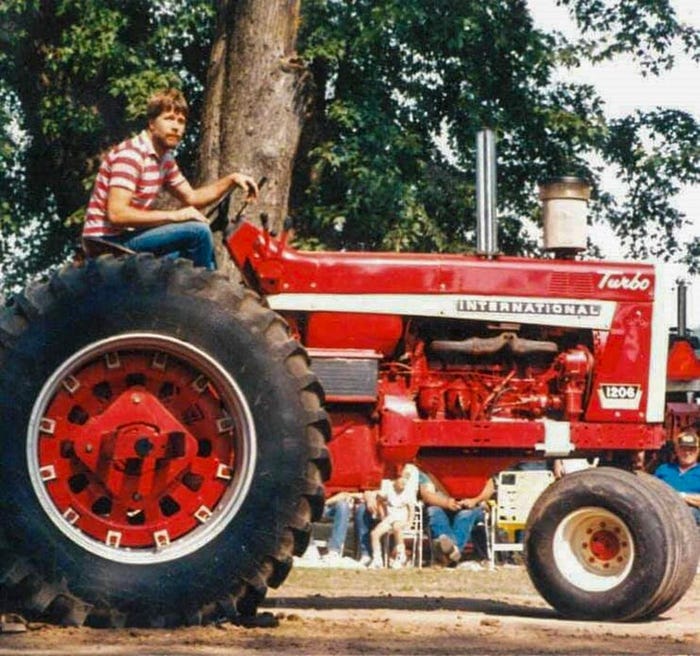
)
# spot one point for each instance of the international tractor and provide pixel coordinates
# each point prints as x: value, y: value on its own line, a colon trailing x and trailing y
x: 166, y: 433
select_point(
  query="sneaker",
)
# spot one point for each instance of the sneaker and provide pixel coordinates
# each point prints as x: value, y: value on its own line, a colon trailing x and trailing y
x: 311, y: 558
x: 376, y: 563
x: 437, y: 554
x: 332, y: 559
x: 365, y: 560
x: 398, y: 562
x: 449, y: 549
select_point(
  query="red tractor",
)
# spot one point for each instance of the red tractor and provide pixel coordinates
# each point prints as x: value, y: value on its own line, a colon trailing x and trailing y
x: 166, y: 434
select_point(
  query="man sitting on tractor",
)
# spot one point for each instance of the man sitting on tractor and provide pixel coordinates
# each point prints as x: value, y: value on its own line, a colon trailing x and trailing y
x: 133, y: 174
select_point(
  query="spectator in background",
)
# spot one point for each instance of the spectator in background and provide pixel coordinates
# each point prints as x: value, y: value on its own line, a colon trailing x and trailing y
x: 368, y: 513
x: 395, y: 503
x: 683, y: 475
x: 451, y: 520
x: 366, y: 518
x: 338, y: 508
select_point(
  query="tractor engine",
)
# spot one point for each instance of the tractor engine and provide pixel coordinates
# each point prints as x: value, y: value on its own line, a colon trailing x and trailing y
x: 461, y: 372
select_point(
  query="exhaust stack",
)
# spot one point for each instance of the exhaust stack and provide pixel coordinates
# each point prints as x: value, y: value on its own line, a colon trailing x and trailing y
x: 486, y: 227
x: 682, y: 308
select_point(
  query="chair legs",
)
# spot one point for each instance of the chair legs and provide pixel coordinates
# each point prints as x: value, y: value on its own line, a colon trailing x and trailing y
x: 411, y: 540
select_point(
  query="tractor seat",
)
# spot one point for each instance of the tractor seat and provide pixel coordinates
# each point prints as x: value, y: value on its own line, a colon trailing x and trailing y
x: 94, y: 247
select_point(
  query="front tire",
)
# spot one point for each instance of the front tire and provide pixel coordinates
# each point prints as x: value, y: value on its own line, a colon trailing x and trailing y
x: 163, y: 445
x: 602, y: 545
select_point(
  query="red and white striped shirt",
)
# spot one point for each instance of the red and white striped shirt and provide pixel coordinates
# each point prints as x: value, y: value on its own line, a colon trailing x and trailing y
x: 133, y: 165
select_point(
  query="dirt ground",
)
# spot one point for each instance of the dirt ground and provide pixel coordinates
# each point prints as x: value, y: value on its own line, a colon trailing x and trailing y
x: 428, y: 611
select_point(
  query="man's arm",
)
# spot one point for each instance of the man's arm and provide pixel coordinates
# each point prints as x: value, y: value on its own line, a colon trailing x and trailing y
x: 432, y: 498
x: 691, y: 498
x: 212, y: 192
x: 120, y: 211
x: 485, y: 494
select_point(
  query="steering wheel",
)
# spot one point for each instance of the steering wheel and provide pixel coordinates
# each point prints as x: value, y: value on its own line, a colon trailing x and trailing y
x: 218, y: 215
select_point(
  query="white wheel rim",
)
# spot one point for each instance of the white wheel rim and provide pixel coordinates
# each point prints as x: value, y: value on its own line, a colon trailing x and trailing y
x: 593, y: 549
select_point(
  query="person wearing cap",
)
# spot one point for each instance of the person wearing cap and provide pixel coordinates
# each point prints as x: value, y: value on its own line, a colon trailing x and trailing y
x: 684, y: 474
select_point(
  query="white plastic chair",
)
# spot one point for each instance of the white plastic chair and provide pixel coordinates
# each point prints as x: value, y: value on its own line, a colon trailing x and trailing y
x: 412, y: 535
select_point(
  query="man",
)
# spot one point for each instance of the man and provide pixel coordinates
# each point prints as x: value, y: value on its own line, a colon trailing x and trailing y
x: 133, y: 174
x: 684, y: 474
x: 451, y: 520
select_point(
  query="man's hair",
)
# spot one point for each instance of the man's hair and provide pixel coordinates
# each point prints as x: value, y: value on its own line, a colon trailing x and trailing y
x: 166, y: 100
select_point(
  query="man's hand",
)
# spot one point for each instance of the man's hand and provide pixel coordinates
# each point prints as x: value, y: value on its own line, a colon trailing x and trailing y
x: 371, y: 502
x: 246, y: 183
x: 452, y: 504
x: 188, y: 214
x: 691, y: 498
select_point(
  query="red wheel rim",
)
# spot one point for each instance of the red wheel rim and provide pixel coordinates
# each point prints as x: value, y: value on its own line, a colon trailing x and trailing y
x: 604, y: 544
x: 139, y: 443
x: 593, y: 548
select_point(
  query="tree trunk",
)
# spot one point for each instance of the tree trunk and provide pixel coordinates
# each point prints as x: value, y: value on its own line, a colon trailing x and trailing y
x: 255, y: 101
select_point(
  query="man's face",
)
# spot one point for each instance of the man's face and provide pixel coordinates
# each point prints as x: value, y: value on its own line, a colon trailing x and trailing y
x: 167, y: 129
x: 687, y: 455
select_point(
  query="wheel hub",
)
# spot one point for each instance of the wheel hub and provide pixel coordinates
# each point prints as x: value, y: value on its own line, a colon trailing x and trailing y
x: 593, y: 549
x: 605, y: 545
x: 135, y: 437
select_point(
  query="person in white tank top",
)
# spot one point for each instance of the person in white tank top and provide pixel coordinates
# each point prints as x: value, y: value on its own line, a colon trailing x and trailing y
x: 396, y: 501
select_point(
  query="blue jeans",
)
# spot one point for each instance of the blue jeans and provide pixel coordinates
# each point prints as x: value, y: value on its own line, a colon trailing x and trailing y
x: 455, y: 525
x: 190, y: 239
x: 339, y: 512
x: 364, y: 523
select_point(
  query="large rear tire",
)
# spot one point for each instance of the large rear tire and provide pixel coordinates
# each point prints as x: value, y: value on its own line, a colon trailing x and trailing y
x: 163, y: 445
x: 601, y: 545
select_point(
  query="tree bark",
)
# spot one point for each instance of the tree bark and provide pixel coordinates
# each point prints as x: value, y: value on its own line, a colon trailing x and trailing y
x: 256, y: 100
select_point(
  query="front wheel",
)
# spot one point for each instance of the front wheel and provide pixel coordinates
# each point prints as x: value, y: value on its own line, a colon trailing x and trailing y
x: 162, y: 445
x: 601, y: 544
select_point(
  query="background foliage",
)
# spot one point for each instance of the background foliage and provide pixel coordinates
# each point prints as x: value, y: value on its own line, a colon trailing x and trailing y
x: 387, y: 158
x: 405, y: 85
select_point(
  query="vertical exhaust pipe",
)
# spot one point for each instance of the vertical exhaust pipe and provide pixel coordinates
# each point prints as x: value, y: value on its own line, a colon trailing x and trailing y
x: 682, y: 308
x: 486, y: 227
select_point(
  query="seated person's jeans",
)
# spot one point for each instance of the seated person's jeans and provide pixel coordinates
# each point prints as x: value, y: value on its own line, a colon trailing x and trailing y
x: 455, y: 525
x: 190, y: 239
x: 339, y: 512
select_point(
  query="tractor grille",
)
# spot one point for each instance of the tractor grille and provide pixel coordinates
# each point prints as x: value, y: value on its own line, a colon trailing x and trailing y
x: 346, y: 378
x: 571, y: 284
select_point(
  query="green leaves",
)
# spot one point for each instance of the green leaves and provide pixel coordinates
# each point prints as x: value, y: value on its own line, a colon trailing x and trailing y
x: 653, y: 154
x: 405, y: 86
x: 647, y: 30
